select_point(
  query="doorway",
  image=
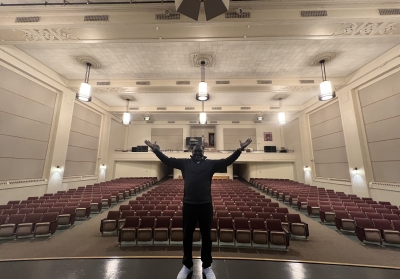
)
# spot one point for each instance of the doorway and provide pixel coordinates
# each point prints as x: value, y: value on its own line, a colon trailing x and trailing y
x: 211, y: 139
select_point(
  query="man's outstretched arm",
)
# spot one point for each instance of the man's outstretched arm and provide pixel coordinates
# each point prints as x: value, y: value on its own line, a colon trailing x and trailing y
x: 233, y: 157
x: 173, y: 162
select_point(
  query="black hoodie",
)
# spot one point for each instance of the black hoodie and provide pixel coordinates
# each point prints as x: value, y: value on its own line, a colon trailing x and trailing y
x: 197, y: 174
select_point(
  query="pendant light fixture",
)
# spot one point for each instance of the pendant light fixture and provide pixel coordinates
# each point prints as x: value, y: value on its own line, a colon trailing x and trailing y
x: 202, y: 94
x: 326, y: 92
x: 203, y: 115
x: 84, y: 94
x: 281, y: 115
x: 126, y: 119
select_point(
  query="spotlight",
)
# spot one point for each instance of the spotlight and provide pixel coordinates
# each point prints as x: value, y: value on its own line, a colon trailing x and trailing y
x: 147, y: 118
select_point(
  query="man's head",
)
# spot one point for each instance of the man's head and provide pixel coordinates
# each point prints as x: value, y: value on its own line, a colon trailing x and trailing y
x: 197, y: 152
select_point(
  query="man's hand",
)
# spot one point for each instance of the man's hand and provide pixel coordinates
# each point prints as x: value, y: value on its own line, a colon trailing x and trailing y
x: 152, y: 145
x: 243, y: 145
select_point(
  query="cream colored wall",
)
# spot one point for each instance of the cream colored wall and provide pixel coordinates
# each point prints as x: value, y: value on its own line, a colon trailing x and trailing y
x: 292, y: 141
x: 267, y: 170
x: 140, y: 169
x: 138, y: 133
x: 260, y: 129
x: 117, y: 136
x: 24, y: 66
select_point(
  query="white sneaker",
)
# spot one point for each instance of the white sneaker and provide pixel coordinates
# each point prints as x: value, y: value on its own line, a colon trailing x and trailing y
x: 183, y: 274
x: 209, y: 273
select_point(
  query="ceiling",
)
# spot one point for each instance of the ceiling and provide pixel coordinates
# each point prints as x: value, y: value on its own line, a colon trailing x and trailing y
x: 275, y: 45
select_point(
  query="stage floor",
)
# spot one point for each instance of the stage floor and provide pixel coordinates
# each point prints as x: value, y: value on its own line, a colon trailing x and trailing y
x: 145, y: 268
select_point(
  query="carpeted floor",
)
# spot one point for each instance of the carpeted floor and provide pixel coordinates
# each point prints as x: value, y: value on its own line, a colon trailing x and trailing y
x: 83, y: 240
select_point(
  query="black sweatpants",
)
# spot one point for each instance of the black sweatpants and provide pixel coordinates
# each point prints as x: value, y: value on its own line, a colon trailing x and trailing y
x: 203, y: 213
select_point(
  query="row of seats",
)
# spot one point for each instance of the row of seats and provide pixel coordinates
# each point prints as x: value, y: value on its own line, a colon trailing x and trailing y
x: 30, y: 224
x: 327, y: 213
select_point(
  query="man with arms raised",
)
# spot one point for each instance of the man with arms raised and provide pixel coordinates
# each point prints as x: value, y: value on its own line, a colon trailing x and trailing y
x: 197, y: 173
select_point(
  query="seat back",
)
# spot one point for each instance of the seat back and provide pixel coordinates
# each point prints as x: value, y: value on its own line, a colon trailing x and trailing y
x: 390, y: 217
x: 257, y: 224
x: 341, y: 214
x: 177, y: 222
x: 396, y: 224
x: 367, y: 209
x: 148, y: 207
x: 161, y: 207
x: 155, y: 213
x: 356, y: 214
x: 274, y: 225
x: 16, y: 219
x: 241, y: 223
x: 269, y: 209
x: 33, y: 218
x: 382, y: 224
x: 283, y: 210
x: 132, y: 222
x: 243, y: 208
x: 383, y: 210
x: 163, y: 222
x: 113, y: 215
x: 364, y: 223
x: 325, y: 208
x: 373, y: 215
x: 225, y: 223
x: 147, y: 222
x: 222, y: 213
x: 126, y: 213
x: 10, y: 211
x: 279, y: 216
x: 249, y: 214
x: 56, y: 209
x: 235, y: 214
x: 41, y: 209
x: 264, y: 215
x: 273, y: 204
x: 25, y: 210
x: 124, y: 207
x: 49, y: 217
x: 293, y: 218
x: 169, y: 213
x: 3, y: 219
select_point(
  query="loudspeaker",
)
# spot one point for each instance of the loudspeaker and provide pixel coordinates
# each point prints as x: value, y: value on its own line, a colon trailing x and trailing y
x: 212, y: 8
x: 269, y: 148
x: 134, y: 149
x: 189, y: 8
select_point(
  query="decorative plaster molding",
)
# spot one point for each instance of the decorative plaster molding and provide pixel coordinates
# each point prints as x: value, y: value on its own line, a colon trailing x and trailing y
x: 60, y: 34
x: 208, y: 58
x: 367, y: 29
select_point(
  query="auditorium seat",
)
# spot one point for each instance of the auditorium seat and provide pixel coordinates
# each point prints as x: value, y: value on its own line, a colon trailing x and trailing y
x: 41, y: 210
x: 14, y: 202
x: 148, y: 207
x: 283, y: 210
x: 176, y: 231
x: 243, y: 208
x: 365, y: 230
x: 273, y: 204
x: 396, y: 211
x: 124, y: 207
x: 258, y: 231
x: 141, y: 213
x: 8, y: 229
x: 124, y: 214
x: 10, y: 211
x: 313, y: 208
x: 18, y: 206
x: 269, y: 209
x: 282, y: 217
x: 161, y: 230
x: 96, y: 205
x: 226, y: 230
x: 277, y: 235
x: 110, y: 223
x: 388, y: 234
x: 3, y: 219
x: 343, y: 221
x: 222, y: 213
x: 390, y: 217
x: 373, y: 215
x: 242, y: 230
x: 83, y: 209
x: 26, y: 228
x: 56, y: 209
x: 155, y: 213
x: 296, y: 226
x: 67, y: 217
x: 161, y: 207
x: 47, y: 225
x: 383, y: 210
x: 145, y: 229
x: 128, y: 231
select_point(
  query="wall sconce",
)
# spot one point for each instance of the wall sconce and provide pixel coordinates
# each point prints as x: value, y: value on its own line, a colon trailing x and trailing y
x: 58, y: 168
x: 355, y: 170
x: 146, y: 118
x: 103, y: 166
x: 306, y: 168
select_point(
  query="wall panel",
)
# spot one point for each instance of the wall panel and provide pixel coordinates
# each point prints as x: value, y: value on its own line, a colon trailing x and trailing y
x: 168, y: 138
x: 26, y: 116
x: 233, y: 135
x: 327, y: 138
x: 83, y: 142
x: 380, y: 106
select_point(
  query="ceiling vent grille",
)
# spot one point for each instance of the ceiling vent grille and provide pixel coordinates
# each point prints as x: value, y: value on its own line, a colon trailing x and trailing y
x: 161, y: 108
x: 235, y: 122
x: 103, y: 83
x: 216, y: 108
x: 245, y: 108
x: 238, y: 15
x: 171, y: 122
x: 193, y: 122
x: 384, y: 12
x: 264, y: 81
x: 150, y: 122
x: 274, y: 107
x: 96, y: 18
x: 257, y: 121
x: 143, y: 83
x: 189, y: 108
x: 222, y: 82
x: 168, y: 17
x: 313, y: 13
x: 306, y: 81
x: 183, y: 82
x: 213, y: 122
x: 133, y: 108
x: 27, y: 19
